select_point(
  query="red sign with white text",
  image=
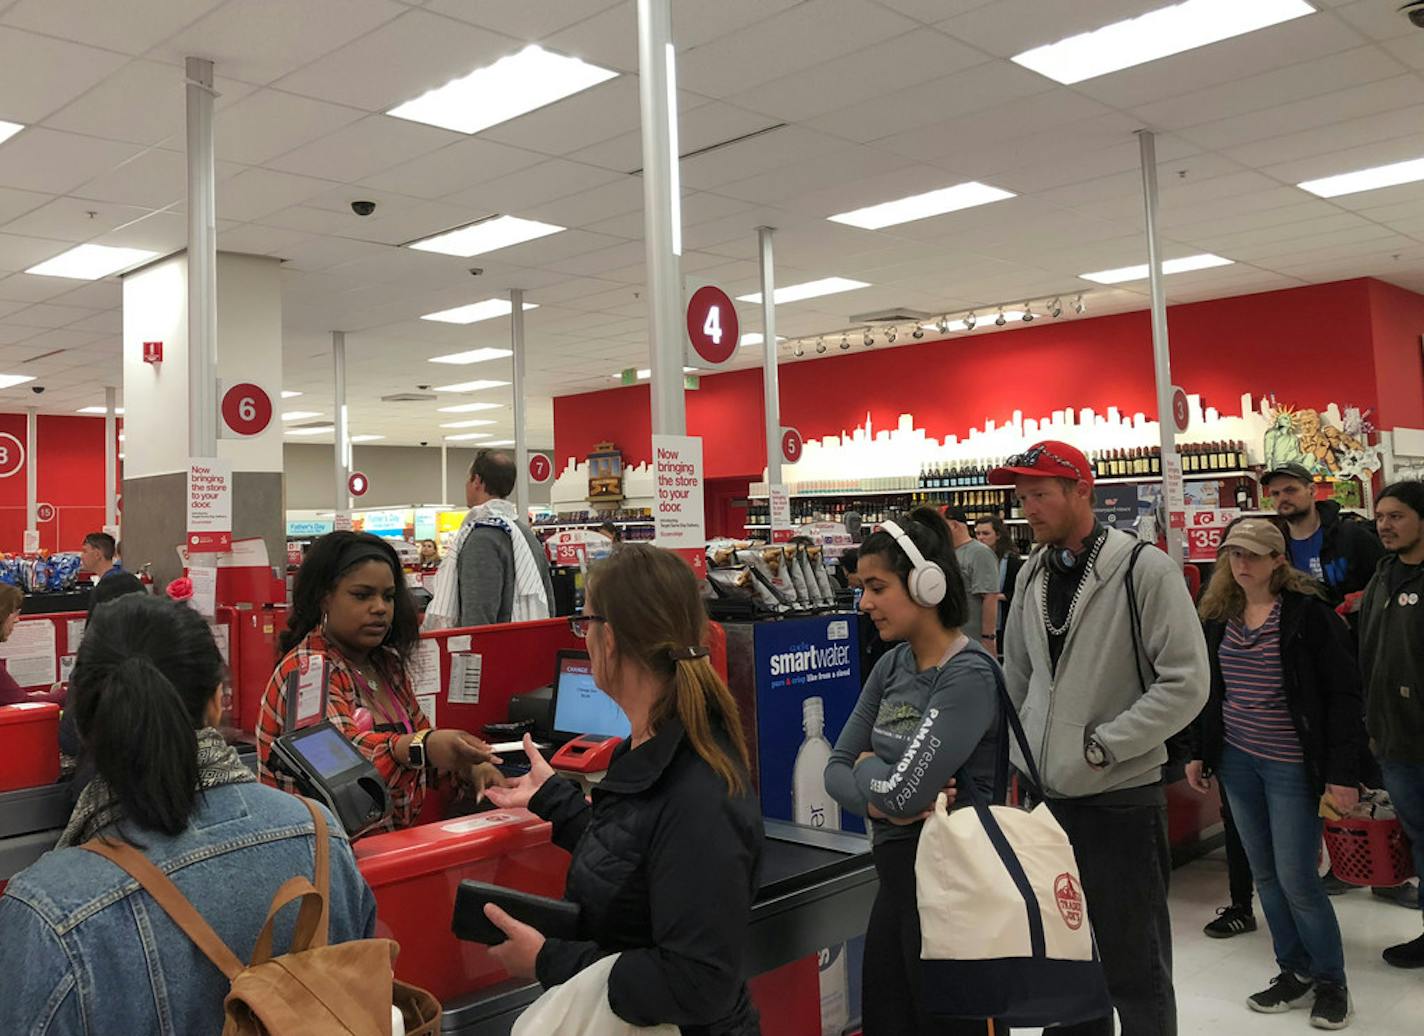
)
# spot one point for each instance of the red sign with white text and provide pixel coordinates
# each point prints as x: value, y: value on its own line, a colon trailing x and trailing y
x: 712, y: 325
x: 791, y: 445
x: 696, y: 558
x: 541, y: 469
x: 152, y: 352
x: 1204, y: 530
x: 246, y: 409
x: 357, y: 484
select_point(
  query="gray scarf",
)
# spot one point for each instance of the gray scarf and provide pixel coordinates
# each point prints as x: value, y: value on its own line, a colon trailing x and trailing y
x: 96, y: 810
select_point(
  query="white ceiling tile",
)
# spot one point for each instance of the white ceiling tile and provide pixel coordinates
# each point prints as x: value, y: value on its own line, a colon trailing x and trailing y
x: 39, y: 75
x: 43, y: 314
x: 548, y: 181
x: 162, y: 232
x: 757, y: 155
x: 454, y: 168
x: 399, y: 61
x: 1377, y: 21
x: 618, y: 197
x: 15, y: 203
x: 362, y: 149
x: 974, y: 89
x: 131, y: 28
x: 29, y: 287
x: 609, y: 39
x: 1269, y: 150
x: 1347, y: 159
x: 699, y: 127
x: 69, y: 219
x: 152, y: 179
x: 521, y: 19
x: 255, y: 193
x: 20, y: 253
x: 587, y: 118
x: 143, y: 102
x: 883, y: 68
x: 1409, y: 50
x: 803, y: 36
x: 268, y: 123
x: 258, y: 41
x: 1007, y: 27
x: 933, y: 11
x: 39, y: 159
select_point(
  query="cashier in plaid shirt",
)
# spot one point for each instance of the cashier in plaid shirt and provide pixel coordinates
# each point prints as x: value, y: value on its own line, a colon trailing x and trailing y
x: 351, y: 607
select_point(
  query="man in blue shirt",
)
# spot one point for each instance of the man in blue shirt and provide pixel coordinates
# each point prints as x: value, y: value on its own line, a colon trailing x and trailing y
x: 1340, y: 554
x: 97, y: 555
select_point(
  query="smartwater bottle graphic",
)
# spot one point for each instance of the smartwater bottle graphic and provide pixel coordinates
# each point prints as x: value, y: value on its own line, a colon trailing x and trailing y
x: 812, y: 806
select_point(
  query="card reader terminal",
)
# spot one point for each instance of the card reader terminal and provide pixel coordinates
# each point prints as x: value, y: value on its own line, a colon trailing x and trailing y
x: 329, y: 768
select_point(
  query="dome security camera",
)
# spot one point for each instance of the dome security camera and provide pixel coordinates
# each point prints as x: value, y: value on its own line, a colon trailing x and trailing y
x: 363, y: 208
x: 37, y: 389
x: 1414, y: 11
x: 423, y: 442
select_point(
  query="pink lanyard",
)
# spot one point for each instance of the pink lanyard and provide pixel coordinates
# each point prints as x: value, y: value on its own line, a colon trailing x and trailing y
x: 370, y: 697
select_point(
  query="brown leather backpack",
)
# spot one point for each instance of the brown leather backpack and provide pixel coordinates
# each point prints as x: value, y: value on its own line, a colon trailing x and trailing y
x: 315, y: 989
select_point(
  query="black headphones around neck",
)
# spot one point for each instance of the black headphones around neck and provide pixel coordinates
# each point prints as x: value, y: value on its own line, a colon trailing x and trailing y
x: 1064, y: 562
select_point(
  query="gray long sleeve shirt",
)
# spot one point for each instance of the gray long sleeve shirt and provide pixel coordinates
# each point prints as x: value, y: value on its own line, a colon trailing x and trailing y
x: 923, y: 728
x: 486, y: 570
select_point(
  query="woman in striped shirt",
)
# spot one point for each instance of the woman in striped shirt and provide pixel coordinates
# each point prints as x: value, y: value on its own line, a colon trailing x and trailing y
x: 1284, y: 724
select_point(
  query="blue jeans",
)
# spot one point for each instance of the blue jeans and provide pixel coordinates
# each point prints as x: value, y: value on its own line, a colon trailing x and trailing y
x: 1277, y: 812
x: 1405, y: 784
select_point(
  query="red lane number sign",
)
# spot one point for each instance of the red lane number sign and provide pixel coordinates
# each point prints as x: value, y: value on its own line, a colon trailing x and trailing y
x: 1181, y: 412
x: 712, y: 324
x: 12, y: 455
x: 44, y: 512
x: 791, y: 445
x: 357, y: 484
x: 246, y: 409
x: 541, y: 469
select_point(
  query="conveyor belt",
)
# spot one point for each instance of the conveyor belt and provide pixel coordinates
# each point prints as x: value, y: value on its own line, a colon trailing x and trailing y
x: 816, y: 890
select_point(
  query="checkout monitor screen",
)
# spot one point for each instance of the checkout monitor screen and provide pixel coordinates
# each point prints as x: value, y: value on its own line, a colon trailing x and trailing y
x: 327, y: 752
x: 580, y: 707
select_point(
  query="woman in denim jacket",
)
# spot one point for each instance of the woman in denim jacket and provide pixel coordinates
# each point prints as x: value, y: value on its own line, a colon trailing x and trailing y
x: 83, y: 950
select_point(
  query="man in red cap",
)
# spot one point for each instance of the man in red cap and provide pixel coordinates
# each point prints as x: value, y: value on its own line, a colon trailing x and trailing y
x: 1105, y: 659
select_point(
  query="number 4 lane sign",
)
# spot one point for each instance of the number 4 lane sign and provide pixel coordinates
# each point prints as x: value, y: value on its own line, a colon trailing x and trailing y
x: 712, y: 326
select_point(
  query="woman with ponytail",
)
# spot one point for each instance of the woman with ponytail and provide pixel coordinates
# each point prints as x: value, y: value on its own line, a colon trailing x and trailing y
x: 665, y: 855
x: 83, y: 949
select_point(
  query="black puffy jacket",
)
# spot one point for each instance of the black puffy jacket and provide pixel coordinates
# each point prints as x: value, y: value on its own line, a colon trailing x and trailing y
x: 664, y: 869
x: 1322, y: 688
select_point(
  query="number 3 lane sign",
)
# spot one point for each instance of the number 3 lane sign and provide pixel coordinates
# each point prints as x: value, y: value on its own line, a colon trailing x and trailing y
x: 246, y: 409
x: 712, y: 325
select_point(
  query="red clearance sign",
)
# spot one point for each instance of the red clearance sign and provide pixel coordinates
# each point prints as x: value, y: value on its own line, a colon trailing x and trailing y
x: 712, y: 324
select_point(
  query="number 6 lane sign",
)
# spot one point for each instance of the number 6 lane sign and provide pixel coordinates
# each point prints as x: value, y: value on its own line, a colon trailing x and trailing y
x: 246, y: 409
x: 712, y: 325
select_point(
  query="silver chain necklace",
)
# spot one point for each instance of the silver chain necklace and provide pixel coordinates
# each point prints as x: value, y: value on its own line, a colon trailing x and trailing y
x: 1059, y: 631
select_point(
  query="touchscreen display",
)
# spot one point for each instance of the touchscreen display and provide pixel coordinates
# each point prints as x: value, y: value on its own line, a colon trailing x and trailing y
x: 581, y: 708
x: 327, y: 752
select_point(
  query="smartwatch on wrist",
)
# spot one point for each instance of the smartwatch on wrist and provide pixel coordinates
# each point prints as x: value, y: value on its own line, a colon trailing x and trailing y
x: 416, y: 750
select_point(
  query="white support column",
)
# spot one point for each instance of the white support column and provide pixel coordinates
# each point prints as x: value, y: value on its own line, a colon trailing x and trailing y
x: 771, y: 383
x: 202, y: 264
x: 444, y: 473
x: 111, y: 459
x: 1161, y: 353
x: 342, y: 435
x: 32, y: 463
x: 662, y: 213
x: 521, y: 438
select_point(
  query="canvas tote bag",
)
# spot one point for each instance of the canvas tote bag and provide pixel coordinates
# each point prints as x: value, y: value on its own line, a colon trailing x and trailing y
x: 1004, y: 923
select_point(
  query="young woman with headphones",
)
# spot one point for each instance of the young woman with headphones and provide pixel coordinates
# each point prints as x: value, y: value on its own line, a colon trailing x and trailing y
x: 929, y: 710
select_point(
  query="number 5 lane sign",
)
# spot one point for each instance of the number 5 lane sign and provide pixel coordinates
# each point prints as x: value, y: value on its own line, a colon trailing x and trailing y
x: 712, y: 325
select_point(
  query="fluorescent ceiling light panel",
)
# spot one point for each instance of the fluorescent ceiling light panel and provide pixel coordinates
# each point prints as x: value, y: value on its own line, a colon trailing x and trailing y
x: 300, y: 415
x: 500, y: 442
x: 644, y: 373
x: 99, y: 410
x: 475, y: 422
x: 476, y: 311
x: 922, y: 206
x: 1366, y: 179
x: 512, y: 86
x: 756, y: 338
x: 8, y: 130
x: 471, y: 386
x: 289, y: 395
x: 469, y: 408
x: 366, y: 438
x: 467, y: 436
x: 473, y: 356
x: 325, y: 429
x: 11, y: 380
x: 1156, y: 34
x: 90, y: 262
x: 1205, y: 261
x: 808, y: 290
x: 488, y: 235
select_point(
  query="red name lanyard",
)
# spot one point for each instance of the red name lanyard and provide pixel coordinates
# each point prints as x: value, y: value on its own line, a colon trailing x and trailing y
x: 370, y: 697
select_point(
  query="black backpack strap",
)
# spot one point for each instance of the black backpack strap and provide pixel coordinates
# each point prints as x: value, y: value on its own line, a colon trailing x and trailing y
x: 1135, y: 613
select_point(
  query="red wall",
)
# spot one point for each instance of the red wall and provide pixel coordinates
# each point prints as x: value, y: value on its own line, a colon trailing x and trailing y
x: 1397, y: 322
x: 1310, y: 346
x: 69, y: 475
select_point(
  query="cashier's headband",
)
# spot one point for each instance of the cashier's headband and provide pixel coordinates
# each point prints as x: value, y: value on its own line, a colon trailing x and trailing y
x: 687, y: 654
x: 361, y: 551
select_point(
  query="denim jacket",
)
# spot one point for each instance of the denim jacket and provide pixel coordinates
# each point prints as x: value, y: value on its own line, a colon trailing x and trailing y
x: 85, y: 952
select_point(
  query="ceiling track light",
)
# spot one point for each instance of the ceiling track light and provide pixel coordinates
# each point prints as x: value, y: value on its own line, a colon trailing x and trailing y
x: 845, y: 342
x: 917, y: 333
x: 798, y: 351
x: 1055, y: 308
x: 1078, y: 306
x: 1000, y: 320
x: 1028, y: 313
x: 970, y: 321
x: 820, y: 346
x: 890, y: 336
x: 943, y: 325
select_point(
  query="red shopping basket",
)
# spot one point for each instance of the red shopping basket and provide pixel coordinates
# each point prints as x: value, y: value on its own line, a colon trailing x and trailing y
x: 1369, y: 852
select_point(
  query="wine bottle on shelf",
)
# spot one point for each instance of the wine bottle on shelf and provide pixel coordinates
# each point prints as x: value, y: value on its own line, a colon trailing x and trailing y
x: 1243, y: 496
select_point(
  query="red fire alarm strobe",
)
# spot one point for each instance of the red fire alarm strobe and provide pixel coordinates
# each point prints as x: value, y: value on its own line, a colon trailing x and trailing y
x: 153, y: 352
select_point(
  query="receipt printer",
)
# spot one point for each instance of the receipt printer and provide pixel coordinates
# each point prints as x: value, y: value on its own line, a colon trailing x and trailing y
x: 329, y: 768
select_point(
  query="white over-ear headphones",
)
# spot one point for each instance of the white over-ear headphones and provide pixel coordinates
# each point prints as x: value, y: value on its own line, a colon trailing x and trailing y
x: 927, y: 583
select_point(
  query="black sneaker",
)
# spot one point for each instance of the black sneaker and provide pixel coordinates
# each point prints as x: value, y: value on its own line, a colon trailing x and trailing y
x: 1287, y: 990
x: 1231, y: 920
x: 1332, y: 1008
x: 1334, y: 886
x: 1406, y: 955
x: 1405, y: 895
